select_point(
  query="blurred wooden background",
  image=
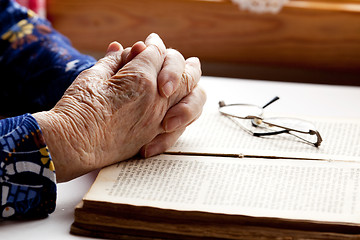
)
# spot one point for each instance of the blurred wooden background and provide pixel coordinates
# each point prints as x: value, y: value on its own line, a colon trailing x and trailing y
x: 308, y: 41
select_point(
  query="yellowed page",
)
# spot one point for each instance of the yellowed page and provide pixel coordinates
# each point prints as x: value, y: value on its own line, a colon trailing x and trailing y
x: 214, y: 133
x: 317, y: 190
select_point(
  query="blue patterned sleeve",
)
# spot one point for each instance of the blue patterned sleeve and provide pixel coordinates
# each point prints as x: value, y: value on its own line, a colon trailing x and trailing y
x: 27, y: 174
x: 37, y: 63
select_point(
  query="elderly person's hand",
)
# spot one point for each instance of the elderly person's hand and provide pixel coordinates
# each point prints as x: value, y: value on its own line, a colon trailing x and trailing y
x: 135, y: 101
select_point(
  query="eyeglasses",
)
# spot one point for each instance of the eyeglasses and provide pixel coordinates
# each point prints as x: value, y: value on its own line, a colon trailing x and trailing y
x: 261, y: 126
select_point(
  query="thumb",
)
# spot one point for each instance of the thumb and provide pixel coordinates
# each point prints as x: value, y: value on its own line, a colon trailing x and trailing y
x: 149, y: 59
x: 110, y: 63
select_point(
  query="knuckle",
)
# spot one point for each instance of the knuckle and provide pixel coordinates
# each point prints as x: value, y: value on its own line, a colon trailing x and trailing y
x: 202, y: 93
x: 171, y: 76
x: 160, y: 52
x: 125, y: 55
x: 188, y: 81
x: 175, y: 53
x: 195, y: 64
x: 186, y: 111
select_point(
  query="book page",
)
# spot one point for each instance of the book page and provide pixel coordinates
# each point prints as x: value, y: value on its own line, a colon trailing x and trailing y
x: 317, y: 190
x: 214, y: 133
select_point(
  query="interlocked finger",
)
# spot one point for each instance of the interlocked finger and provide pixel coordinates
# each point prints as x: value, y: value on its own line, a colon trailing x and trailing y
x: 189, y: 80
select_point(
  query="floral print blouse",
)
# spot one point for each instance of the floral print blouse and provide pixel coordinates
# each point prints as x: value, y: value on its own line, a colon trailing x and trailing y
x: 37, y: 64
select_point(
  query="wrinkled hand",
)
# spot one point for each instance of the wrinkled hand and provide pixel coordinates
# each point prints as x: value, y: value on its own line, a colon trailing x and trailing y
x: 133, y: 100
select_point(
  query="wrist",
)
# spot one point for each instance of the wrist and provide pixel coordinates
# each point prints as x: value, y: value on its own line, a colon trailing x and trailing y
x: 64, y: 146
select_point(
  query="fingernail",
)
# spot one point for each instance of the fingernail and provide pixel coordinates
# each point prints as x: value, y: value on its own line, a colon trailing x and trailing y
x: 168, y: 89
x: 172, y: 124
x: 194, y: 59
x: 152, y: 35
x: 113, y: 47
x: 153, y: 38
x: 151, y: 150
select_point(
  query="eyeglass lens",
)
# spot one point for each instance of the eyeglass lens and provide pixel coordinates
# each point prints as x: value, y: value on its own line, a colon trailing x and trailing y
x: 242, y: 110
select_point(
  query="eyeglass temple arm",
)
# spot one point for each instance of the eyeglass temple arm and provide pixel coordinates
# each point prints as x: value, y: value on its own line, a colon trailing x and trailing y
x: 271, y: 101
x: 316, y: 144
x: 258, y: 134
x: 222, y: 103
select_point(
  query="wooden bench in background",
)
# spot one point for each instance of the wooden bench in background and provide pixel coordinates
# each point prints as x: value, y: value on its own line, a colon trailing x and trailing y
x: 308, y: 41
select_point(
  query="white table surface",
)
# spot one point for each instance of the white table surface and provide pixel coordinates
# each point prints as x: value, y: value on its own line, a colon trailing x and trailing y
x: 295, y: 98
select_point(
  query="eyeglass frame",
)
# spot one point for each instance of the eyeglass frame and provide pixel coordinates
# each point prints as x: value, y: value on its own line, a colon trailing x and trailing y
x: 260, y: 118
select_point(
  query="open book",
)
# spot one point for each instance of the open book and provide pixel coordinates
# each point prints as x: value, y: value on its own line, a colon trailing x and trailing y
x: 219, y: 182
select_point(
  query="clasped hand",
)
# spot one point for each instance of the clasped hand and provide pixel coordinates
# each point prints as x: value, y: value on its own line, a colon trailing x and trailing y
x: 134, y: 100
